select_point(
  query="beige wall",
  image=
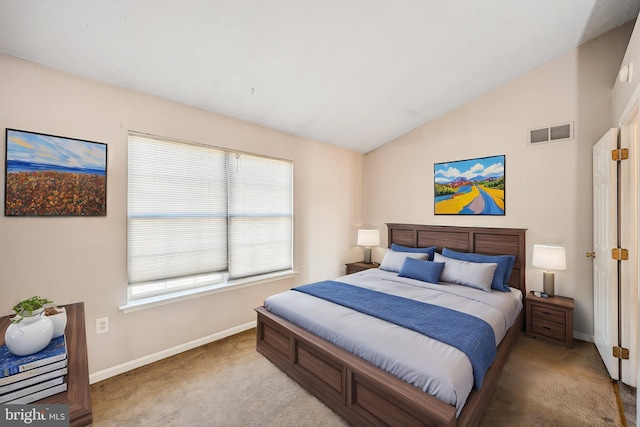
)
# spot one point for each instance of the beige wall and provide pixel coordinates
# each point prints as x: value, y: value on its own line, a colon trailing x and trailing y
x: 84, y: 259
x: 548, y: 186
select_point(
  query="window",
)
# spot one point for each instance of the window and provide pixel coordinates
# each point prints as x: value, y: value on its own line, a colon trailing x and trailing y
x: 200, y: 215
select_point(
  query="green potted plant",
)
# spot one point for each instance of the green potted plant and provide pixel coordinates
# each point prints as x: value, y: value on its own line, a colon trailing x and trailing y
x: 29, y: 307
x: 29, y: 331
x: 34, y: 307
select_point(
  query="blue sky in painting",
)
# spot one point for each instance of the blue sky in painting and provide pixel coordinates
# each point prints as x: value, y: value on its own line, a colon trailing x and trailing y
x: 51, y: 150
x: 485, y: 167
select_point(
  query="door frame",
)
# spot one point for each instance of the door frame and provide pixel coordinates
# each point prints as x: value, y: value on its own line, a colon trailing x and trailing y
x: 628, y: 238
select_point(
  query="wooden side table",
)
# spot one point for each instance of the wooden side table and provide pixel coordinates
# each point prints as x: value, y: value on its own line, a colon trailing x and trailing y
x: 354, y: 267
x: 550, y: 318
x: 77, y: 395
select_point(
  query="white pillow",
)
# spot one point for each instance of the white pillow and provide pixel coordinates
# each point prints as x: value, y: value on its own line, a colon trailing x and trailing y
x: 393, y: 260
x: 477, y: 275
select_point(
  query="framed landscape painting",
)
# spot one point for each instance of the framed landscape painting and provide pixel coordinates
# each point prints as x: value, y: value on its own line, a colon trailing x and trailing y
x: 470, y: 187
x: 50, y: 175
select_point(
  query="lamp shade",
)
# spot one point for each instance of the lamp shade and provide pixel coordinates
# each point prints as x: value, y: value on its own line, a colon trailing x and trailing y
x: 549, y: 257
x: 368, y: 237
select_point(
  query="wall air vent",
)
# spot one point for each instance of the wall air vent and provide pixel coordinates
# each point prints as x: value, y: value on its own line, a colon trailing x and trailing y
x: 555, y: 133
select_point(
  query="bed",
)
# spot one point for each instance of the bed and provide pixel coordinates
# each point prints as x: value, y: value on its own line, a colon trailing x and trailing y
x: 360, y: 391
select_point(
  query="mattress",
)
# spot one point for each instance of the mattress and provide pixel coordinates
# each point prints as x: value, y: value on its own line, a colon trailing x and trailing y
x: 428, y: 364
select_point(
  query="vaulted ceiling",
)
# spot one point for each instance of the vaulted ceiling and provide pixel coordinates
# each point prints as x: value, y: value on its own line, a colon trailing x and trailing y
x: 355, y: 73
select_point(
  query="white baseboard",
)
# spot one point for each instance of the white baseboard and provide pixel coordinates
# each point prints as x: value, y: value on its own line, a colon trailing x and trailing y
x: 133, y: 364
x: 583, y: 337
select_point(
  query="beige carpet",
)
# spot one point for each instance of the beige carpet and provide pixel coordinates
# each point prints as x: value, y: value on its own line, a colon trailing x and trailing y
x: 546, y: 385
x: 227, y: 383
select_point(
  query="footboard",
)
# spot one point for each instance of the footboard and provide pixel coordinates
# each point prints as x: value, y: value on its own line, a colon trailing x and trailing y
x: 358, y: 391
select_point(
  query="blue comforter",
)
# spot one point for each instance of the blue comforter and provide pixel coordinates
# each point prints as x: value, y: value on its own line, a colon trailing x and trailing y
x: 469, y: 334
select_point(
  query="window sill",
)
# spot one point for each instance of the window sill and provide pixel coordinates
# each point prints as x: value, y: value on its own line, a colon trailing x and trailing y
x: 158, y: 300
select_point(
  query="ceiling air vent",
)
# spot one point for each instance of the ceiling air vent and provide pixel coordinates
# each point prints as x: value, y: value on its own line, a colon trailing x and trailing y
x: 555, y: 133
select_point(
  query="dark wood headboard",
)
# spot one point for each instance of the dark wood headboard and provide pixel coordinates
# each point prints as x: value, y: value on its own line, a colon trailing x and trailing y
x: 482, y: 240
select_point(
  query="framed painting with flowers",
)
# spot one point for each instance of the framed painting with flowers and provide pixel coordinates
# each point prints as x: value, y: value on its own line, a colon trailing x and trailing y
x: 47, y: 175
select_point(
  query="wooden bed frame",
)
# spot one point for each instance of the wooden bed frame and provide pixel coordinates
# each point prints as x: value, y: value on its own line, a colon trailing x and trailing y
x: 365, y: 395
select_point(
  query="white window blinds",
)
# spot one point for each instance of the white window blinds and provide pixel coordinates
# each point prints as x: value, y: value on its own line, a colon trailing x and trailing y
x: 260, y: 215
x: 197, y: 209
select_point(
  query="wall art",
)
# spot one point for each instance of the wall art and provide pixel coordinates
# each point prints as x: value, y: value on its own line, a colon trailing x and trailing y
x: 470, y: 187
x: 49, y: 175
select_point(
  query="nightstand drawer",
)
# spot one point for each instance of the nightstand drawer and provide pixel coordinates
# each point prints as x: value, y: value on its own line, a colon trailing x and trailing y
x: 548, y: 314
x: 354, y: 267
x: 549, y: 329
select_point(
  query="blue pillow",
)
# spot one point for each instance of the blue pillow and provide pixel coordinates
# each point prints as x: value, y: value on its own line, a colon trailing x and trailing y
x: 507, y: 275
x: 426, y: 271
x: 430, y: 250
x: 503, y: 271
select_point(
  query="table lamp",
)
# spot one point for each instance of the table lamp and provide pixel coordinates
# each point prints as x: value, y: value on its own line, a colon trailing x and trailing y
x: 549, y: 257
x: 368, y: 238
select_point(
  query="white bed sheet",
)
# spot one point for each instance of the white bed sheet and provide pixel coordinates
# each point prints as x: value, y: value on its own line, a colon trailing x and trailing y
x: 428, y: 364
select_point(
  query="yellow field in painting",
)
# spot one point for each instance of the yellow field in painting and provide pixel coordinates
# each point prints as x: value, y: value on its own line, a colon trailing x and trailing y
x: 496, y: 195
x: 456, y: 203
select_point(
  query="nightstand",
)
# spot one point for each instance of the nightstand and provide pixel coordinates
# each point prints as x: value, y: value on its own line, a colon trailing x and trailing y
x: 550, y: 318
x: 354, y: 267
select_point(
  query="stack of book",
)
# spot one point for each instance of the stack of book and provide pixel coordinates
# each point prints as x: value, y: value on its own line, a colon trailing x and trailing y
x: 26, y: 379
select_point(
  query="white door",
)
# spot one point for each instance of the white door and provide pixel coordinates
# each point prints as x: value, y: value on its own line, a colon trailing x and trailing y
x: 605, y: 271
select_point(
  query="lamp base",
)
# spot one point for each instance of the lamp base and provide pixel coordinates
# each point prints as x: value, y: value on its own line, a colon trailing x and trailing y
x: 548, y: 279
x: 367, y: 255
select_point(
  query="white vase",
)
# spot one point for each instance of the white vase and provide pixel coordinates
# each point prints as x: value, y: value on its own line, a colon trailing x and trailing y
x: 59, y: 322
x: 30, y: 335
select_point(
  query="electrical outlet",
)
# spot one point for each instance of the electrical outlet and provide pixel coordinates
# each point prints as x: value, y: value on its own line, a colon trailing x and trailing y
x: 102, y: 325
